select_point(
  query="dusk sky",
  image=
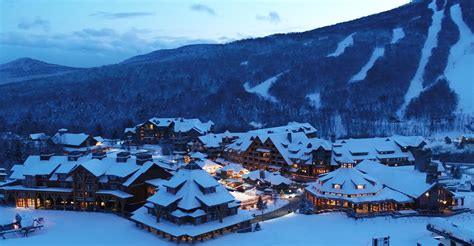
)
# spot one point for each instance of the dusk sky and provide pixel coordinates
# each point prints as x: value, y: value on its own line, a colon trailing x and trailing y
x: 97, y: 32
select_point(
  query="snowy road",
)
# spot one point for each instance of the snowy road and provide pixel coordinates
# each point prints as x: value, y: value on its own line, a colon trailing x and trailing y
x: 85, y: 228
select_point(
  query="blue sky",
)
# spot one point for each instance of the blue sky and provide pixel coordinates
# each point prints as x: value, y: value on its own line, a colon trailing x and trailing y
x: 97, y: 32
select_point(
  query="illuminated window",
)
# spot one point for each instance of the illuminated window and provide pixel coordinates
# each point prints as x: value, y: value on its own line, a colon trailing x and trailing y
x: 336, y: 186
x: 360, y: 187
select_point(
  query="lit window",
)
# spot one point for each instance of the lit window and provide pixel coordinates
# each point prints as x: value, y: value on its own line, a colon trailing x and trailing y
x: 360, y: 187
x: 336, y: 186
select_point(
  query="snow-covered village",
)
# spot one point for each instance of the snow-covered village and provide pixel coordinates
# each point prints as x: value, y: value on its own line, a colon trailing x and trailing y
x: 237, y: 122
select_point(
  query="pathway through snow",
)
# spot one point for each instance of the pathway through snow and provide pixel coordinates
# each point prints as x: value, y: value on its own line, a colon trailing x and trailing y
x: 398, y: 34
x: 314, y: 99
x: 460, y: 68
x: 341, y: 46
x: 376, y: 54
x: 263, y: 88
x: 416, y: 84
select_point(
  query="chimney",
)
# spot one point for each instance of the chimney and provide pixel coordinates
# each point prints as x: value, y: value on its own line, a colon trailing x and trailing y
x: 74, y: 155
x: 289, y: 136
x: 123, y: 156
x: 422, y: 159
x: 62, y: 131
x: 143, y: 157
x: 431, y: 173
x: 45, y: 156
x: 99, y: 155
x: 262, y: 174
x: 333, y: 138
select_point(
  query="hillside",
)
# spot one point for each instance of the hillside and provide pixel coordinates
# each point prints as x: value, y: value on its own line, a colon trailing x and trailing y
x: 402, y: 71
x: 24, y: 69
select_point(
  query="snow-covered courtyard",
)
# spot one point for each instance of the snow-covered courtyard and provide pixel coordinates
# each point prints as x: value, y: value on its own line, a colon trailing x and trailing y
x: 86, y: 228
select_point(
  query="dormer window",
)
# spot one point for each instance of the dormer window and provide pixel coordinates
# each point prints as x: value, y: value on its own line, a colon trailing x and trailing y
x: 337, y: 186
x: 360, y: 186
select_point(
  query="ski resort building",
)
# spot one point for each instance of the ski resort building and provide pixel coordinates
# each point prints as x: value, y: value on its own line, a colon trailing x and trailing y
x: 70, y: 142
x: 265, y: 179
x: 191, y: 206
x: 213, y: 144
x: 373, y: 188
x: 286, y: 151
x: 98, y: 181
x: 177, y: 131
x: 392, y: 151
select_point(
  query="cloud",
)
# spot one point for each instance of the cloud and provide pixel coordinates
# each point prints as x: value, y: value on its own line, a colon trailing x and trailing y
x: 120, y: 15
x: 105, y: 40
x: 203, y: 8
x: 36, y: 23
x: 272, y: 17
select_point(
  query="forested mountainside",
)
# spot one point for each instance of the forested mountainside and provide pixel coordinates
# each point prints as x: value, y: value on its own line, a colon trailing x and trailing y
x: 27, y: 69
x: 408, y: 71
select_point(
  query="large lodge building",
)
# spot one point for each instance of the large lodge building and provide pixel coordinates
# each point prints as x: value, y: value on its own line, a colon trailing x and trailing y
x: 176, y: 131
x: 98, y: 181
x: 191, y: 206
x: 373, y: 188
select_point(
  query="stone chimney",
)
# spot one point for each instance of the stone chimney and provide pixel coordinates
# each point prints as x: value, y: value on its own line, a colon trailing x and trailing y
x: 74, y: 155
x: 289, y: 137
x: 431, y: 173
x: 143, y: 157
x: 333, y: 138
x: 123, y: 156
x: 45, y: 156
x: 422, y: 159
x: 262, y: 174
x: 101, y: 154
x: 62, y: 131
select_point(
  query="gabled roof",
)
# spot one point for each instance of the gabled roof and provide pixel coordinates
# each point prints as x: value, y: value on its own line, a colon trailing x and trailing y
x: 293, y: 146
x: 270, y: 177
x: 404, y: 179
x: 358, y: 149
x: 73, y: 139
x: 182, y: 125
x: 348, y: 181
x: 189, y: 183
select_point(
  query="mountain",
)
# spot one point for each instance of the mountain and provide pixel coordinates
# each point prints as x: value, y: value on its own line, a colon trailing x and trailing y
x: 27, y: 69
x: 405, y: 71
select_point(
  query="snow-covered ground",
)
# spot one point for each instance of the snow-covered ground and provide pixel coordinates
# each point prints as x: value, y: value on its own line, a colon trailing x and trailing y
x: 398, y: 34
x: 85, y: 228
x: 416, y: 84
x: 263, y: 88
x: 459, y: 70
x: 341, y: 46
x: 314, y: 99
x: 376, y: 54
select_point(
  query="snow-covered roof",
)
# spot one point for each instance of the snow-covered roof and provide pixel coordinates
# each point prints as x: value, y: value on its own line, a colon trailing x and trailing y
x: 347, y: 181
x: 72, y: 139
x: 274, y: 178
x: 38, y: 136
x: 409, y: 141
x: 234, y: 167
x: 353, y: 185
x: 141, y: 170
x: 208, y: 164
x: 197, y: 155
x: 142, y: 216
x: 188, y: 185
x: 294, y: 147
x: 306, y: 128
x: 457, y: 231
x: 183, y: 125
x: 404, y: 179
x: 116, y: 193
x: 34, y: 166
x: 214, y: 140
x: 356, y: 150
